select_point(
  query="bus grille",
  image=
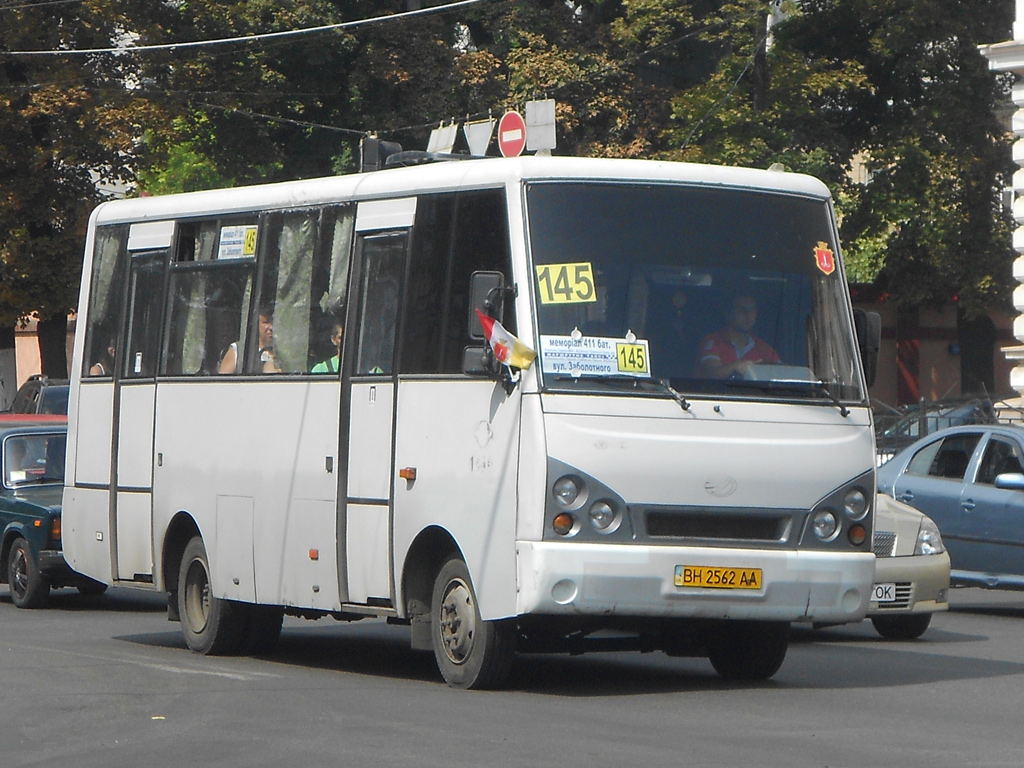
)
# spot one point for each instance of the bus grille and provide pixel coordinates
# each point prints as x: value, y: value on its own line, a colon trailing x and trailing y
x: 718, y: 524
x: 884, y: 544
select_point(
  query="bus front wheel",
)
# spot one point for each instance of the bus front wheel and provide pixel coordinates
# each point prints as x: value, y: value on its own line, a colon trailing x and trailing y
x: 210, y: 625
x: 748, y: 650
x: 470, y: 652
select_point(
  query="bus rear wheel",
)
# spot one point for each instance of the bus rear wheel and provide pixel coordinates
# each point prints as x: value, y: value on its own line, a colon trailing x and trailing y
x: 748, y: 650
x: 211, y: 626
x: 470, y: 652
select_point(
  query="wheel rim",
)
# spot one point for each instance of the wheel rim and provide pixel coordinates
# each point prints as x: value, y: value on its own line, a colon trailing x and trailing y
x: 19, y: 572
x: 457, y: 622
x: 197, y: 596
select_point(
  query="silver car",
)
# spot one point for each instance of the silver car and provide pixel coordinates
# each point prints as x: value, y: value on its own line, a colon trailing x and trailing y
x: 911, y: 571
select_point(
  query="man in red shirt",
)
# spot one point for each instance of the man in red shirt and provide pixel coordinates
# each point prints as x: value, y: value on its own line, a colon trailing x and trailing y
x: 732, y: 350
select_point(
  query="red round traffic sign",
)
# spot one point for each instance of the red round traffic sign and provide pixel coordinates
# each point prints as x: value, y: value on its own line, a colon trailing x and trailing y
x: 512, y: 134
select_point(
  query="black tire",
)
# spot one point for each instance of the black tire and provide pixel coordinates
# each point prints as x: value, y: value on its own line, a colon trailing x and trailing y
x: 748, y: 650
x: 262, y: 629
x: 211, y: 626
x: 89, y: 588
x: 470, y: 652
x: 29, y: 588
x: 902, y: 627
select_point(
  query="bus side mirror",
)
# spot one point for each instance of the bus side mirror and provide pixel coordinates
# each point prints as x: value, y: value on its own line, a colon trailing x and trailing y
x: 486, y: 292
x: 869, y: 338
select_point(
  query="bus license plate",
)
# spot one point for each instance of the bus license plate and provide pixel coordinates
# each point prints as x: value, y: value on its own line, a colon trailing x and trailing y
x: 708, y: 577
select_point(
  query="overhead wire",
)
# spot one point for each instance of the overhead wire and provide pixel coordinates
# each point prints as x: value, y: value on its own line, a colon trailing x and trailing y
x: 245, y: 39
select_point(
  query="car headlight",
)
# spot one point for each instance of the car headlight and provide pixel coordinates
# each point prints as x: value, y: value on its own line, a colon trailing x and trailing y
x: 929, y: 540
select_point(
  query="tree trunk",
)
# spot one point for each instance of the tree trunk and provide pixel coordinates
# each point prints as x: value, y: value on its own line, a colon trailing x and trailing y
x: 53, y: 346
x: 8, y: 368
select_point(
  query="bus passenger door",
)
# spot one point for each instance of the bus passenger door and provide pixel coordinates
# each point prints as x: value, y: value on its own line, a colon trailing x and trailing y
x: 365, y: 530
x: 135, y: 409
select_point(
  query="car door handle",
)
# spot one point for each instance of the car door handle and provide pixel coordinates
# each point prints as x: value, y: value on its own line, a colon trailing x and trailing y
x: 968, y: 504
x: 907, y: 496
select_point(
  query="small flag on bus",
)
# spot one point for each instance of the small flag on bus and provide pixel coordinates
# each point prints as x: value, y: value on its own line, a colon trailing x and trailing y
x: 507, y: 348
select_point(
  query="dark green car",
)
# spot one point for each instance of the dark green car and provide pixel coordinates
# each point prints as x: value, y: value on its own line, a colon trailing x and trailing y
x: 32, y: 562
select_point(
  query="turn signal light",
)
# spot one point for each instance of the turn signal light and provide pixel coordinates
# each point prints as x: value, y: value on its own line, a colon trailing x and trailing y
x: 55, y: 528
x: 562, y: 524
x: 858, y: 535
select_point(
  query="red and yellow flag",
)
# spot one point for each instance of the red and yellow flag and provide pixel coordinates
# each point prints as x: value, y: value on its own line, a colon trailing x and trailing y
x: 507, y: 348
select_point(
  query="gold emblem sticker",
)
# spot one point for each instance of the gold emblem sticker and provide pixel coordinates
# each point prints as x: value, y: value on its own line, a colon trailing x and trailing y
x: 566, y: 283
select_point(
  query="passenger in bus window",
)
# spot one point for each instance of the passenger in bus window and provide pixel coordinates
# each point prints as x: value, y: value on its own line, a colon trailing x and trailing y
x: 231, y: 362
x: 728, y: 353
x: 332, y: 364
x: 105, y: 365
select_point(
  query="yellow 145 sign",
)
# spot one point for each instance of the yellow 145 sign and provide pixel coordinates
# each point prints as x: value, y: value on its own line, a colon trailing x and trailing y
x: 566, y: 283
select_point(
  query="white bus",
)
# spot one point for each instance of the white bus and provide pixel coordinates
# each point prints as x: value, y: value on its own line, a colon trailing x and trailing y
x: 283, y: 403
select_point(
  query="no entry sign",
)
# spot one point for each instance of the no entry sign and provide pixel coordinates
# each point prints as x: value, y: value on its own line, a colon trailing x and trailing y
x: 511, y: 134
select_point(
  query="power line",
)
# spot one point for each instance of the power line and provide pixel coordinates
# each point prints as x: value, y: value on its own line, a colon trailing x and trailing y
x: 249, y: 38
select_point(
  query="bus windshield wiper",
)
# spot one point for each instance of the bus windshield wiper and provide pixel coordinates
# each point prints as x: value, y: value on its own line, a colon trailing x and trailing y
x: 633, y: 382
x: 784, y: 385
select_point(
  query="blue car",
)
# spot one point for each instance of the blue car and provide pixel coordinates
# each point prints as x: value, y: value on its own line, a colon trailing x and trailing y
x: 970, y: 481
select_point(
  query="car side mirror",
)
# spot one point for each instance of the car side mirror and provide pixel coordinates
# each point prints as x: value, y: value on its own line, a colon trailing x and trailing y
x: 1010, y: 481
x: 486, y: 291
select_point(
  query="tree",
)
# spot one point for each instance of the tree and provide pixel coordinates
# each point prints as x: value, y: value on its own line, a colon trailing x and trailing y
x: 68, y: 124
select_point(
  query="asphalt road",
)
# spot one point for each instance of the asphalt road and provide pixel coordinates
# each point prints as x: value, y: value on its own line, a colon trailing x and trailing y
x: 107, y: 681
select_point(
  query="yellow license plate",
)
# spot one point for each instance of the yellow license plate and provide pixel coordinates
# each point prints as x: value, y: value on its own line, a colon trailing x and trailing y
x: 708, y: 577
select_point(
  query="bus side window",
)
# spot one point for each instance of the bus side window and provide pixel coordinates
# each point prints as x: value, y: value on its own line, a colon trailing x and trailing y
x: 454, y: 236
x: 383, y: 262
x: 287, y: 256
x: 106, y: 299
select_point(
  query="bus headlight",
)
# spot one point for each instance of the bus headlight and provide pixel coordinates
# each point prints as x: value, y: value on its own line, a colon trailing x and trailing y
x: 825, y: 524
x: 603, y: 517
x: 566, y: 490
x: 855, y: 504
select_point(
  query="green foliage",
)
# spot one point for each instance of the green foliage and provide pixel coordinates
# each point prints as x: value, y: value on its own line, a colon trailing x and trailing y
x: 893, y: 91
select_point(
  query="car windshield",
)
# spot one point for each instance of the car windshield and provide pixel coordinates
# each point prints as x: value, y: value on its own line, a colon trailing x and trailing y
x: 30, y: 459
x: 722, y: 291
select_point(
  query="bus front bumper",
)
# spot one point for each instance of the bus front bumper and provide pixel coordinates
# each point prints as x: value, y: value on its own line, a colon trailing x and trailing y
x: 577, y: 579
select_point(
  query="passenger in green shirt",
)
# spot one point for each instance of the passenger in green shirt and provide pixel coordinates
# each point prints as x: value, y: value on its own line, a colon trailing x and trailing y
x: 331, y: 365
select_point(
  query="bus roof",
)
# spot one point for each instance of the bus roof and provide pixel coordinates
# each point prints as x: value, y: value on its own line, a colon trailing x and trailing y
x: 447, y: 176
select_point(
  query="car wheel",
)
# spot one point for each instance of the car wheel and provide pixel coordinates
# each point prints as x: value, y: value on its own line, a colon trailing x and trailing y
x: 902, y: 627
x: 211, y: 626
x: 29, y: 588
x: 748, y: 650
x: 470, y: 652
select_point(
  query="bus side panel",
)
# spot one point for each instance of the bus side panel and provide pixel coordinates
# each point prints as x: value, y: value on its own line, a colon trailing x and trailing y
x: 86, y: 532
x: 274, y: 442
x: 462, y: 438
x: 93, y: 433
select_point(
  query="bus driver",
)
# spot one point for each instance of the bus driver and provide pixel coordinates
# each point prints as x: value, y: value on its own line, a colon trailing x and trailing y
x: 732, y: 350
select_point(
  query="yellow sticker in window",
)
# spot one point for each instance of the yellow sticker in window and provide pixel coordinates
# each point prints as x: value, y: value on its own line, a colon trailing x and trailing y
x: 566, y: 283
x: 632, y: 358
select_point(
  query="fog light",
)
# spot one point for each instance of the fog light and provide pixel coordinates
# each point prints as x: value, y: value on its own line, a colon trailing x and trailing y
x: 825, y: 524
x: 563, y: 524
x: 858, y: 535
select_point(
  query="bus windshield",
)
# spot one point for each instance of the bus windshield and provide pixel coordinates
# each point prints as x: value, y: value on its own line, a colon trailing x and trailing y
x: 719, y: 291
